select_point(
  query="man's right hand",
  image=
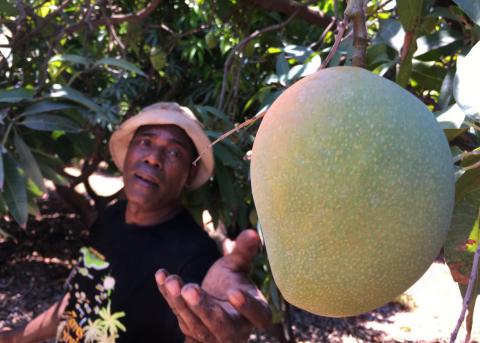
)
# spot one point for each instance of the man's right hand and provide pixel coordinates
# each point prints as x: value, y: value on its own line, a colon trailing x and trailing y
x: 227, y: 305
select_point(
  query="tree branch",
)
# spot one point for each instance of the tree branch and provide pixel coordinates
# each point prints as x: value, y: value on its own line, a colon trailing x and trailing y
x: 240, y: 46
x: 468, y: 295
x: 117, y: 18
x: 288, y: 7
x: 342, y: 26
x: 354, y: 12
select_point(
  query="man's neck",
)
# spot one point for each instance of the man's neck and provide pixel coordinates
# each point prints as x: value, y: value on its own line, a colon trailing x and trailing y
x: 140, y: 216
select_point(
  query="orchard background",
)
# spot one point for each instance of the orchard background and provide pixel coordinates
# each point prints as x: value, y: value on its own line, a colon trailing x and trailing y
x: 71, y: 71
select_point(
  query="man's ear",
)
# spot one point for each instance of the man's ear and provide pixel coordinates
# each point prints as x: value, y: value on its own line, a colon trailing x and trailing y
x: 191, y: 175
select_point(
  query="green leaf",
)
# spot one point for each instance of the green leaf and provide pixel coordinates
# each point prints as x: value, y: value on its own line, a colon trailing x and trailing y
x: 15, y: 193
x: 438, y: 44
x: 51, y: 122
x: 52, y: 175
x: 463, y: 237
x: 465, y: 86
x: 376, y: 55
x: 120, y: 63
x: 15, y: 95
x: 282, y: 68
x: 225, y: 185
x: 8, y: 9
x: 452, y: 118
x: 428, y: 75
x: 65, y: 92
x: 75, y: 59
x: 305, y: 69
x: 300, y: 53
x: 46, y: 106
x: 392, y: 33
x: 471, y: 8
x: 2, y: 175
x: 224, y: 154
x: 409, y: 12
x: 467, y: 183
x: 446, y: 90
x: 204, y: 110
x: 28, y: 162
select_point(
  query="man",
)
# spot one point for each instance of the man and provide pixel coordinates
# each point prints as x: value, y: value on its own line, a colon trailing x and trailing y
x: 113, y: 293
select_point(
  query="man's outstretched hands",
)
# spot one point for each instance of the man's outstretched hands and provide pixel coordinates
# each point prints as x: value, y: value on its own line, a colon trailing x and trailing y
x: 227, y: 305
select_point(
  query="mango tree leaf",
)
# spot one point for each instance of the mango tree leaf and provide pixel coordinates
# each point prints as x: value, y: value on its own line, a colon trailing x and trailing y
x: 51, y: 122
x: 451, y: 120
x: 305, y: 69
x: 46, y: 106
x: 75, y: 59
x: 282, y: 68
x: 440, y: 43
x: 15, y: 95
x: 463, y: 237
x: 471, y: 8
x: 2, y: 175
x: 300, y: 53
x: 446, y: 90
x: 120, y: 63
x: 377, y: 54
x: 409, y: 12
x: 345, y: 48
x: 225, y: 185
x: 392, y: 33
x: 65, y: 92
x: 8, y: 9
x: 28, y: 162
x: 15, y: 193
x: 205, y: 110
x: 224, y: 155
x: 428, y: 75
x: 467, y: 183
x: 52, y: 175
x: 465, y: 86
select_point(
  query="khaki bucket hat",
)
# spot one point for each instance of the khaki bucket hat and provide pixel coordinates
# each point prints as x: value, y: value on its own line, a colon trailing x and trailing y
x: 165, y: 113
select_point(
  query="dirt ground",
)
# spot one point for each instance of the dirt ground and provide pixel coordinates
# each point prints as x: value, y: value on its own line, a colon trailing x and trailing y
x: 34, y: 268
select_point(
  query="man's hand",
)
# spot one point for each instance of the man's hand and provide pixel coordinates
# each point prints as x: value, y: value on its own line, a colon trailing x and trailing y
x: 227, y: 305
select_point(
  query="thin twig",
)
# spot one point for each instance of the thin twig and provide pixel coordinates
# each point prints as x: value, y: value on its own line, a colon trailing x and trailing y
x: 342, y: 26
x: 324, y: 33
x: 473, y: 166
x: 117, y: 18
x: 468, y: 295
x: 465, y: 154
x: 226, y: 134
x: 240, y: 46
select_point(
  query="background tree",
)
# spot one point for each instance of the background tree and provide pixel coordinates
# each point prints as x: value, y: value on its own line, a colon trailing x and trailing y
x: 71, y: 71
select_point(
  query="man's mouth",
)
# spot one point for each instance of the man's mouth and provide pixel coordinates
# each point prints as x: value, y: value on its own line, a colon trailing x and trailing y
x: 146, y: 179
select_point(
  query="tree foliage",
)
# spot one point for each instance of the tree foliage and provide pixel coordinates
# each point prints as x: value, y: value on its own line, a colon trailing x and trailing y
x: 71, y: 71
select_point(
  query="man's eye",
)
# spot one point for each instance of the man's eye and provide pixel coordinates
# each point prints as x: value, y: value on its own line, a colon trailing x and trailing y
x: 173, y: 153
x: 144, y: 141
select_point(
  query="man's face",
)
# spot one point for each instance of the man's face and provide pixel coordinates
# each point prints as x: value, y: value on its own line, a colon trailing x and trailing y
x: 158, y: 165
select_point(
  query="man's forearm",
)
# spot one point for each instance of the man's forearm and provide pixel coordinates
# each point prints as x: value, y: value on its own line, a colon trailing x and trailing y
x: 41, y: 328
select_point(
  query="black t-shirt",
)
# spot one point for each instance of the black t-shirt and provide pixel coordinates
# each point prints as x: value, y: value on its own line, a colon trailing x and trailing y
x: 113, y: 293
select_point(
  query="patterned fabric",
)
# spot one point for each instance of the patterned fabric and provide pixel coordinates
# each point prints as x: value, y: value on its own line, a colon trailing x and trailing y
x: 88, y: 316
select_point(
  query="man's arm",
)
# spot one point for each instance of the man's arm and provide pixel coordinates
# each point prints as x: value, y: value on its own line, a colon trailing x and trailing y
x: 227, y: 305
x: 41, y: 328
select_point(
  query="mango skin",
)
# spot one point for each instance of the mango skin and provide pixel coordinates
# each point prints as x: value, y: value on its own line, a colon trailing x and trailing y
x: 353, y: 182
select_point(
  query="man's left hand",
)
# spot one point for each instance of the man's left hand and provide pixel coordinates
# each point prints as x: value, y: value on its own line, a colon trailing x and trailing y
x: 227, y: 305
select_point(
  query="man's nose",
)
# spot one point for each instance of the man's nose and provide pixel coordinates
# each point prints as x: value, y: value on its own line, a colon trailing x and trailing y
x: 155, y: 159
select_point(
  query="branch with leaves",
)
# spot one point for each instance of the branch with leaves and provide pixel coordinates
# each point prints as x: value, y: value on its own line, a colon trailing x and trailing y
x: 239, y: 47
